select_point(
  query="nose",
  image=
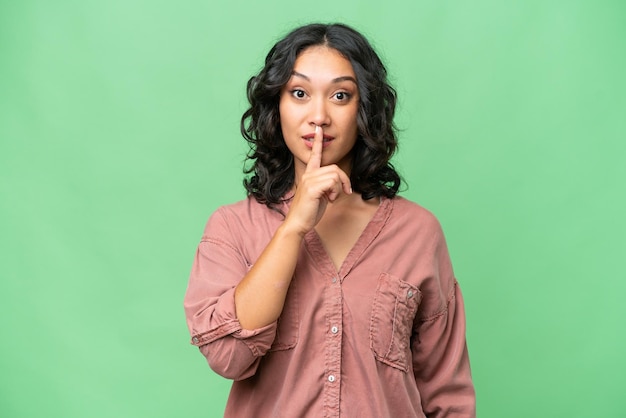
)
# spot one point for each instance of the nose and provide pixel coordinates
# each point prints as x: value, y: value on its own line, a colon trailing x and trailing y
x: 318, y: 112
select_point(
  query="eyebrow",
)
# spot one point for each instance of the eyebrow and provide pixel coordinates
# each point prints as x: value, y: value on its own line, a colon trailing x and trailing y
x: 334, y: 80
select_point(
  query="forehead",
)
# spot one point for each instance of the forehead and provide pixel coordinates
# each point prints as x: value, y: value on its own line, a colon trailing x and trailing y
x: 323, y: 62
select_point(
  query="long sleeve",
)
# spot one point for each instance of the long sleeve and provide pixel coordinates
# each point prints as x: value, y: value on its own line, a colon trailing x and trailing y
x: 440, y: 357
x: 209, y: 304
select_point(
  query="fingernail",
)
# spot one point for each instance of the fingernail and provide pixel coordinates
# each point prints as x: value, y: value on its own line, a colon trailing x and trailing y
x: 317, y: 128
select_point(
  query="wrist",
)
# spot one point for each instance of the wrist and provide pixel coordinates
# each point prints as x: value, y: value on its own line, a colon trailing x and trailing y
x: 289, y: 231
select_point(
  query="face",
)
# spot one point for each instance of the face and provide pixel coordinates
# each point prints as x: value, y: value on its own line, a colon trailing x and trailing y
x: 321, y: 91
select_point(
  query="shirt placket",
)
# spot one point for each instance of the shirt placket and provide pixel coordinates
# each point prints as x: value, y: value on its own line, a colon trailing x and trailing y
x: 332, y: 348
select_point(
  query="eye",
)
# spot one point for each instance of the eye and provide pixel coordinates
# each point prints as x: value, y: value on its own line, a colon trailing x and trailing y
x: 342, y: 96
x: 298, y: 93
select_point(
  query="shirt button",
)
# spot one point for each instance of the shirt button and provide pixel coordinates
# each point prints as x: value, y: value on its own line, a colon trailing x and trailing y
x: 334, y: 330
x: 195, y: 340
x: 410, y: 293
x: 331, y: 378
x: 334, y: 280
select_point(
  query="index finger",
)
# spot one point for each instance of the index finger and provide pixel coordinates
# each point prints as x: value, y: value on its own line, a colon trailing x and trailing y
x: 315, y: 160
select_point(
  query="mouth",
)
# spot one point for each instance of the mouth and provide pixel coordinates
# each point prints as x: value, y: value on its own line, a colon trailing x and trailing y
x: 308, y: 139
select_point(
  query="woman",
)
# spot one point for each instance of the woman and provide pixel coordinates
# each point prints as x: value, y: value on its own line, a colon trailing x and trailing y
x: 324, y: 293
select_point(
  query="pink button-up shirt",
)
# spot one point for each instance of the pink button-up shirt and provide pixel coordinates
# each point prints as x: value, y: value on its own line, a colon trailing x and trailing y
x: 382, y: 337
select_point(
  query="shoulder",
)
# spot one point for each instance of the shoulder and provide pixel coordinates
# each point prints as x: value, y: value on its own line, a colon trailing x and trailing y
x: 411, y: 215
x: 244, y: 207
x: 245, y: 226
x: 240, y: 217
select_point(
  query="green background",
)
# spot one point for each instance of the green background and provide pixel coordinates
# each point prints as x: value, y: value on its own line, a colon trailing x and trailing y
x: 119, y: 136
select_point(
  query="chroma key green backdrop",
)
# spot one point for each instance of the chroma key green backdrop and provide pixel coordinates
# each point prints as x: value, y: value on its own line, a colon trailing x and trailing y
x: 119, y: 135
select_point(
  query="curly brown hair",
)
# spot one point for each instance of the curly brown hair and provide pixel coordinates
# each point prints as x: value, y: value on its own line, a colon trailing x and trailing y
x: 270, y: 166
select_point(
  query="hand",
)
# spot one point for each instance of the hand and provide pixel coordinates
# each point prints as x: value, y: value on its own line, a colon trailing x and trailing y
x: 317, y: 186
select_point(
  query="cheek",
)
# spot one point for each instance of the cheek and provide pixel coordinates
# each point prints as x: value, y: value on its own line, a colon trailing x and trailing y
x: 351, y: 121
x: 286, y: 114
x: 288, y: 122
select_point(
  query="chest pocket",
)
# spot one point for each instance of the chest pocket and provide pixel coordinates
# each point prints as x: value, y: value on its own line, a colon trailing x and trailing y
x: 394, y: 309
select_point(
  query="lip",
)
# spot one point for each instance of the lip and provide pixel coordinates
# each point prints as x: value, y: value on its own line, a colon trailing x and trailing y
x: 311, y: 136
x: 308, y: 140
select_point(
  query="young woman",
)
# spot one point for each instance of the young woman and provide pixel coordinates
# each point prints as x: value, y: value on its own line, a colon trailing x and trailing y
x: 324, y: 293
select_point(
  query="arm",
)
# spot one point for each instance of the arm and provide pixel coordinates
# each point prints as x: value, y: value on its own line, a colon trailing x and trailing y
x: 260, y: 296
x: 440, y: 357
x: 209, y: 305
x: 232, y: 312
